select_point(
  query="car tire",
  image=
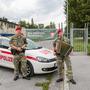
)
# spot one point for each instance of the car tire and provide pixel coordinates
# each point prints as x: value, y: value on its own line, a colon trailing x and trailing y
x: 30, y: 69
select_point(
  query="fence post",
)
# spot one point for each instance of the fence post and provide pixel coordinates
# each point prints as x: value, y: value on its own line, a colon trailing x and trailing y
x: 86, y: 26
x: 71, y: 34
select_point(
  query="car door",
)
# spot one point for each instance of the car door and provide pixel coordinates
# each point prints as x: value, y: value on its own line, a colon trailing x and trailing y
x: 6, y: 56
x: 1, y: 58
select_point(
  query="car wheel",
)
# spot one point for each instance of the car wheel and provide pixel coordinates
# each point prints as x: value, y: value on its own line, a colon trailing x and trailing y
x: 30, y: 69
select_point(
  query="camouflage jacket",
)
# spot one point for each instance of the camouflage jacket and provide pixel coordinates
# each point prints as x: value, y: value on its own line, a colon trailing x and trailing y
x: 18, y: 41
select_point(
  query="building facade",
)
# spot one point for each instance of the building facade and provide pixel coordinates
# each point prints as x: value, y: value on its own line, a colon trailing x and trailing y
x: 7, y: 26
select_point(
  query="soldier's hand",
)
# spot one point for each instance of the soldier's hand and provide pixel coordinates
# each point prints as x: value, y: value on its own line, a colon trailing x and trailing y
x: 23, y: 46
x: 54, y: 53
x: 19, y: 49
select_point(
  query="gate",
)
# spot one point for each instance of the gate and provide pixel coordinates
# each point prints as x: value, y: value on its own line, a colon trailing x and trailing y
x: 79, y: 39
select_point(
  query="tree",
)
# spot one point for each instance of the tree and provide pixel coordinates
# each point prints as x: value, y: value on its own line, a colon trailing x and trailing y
x: 33, y: 25
x: 27, y: 24
x: 22, y: 23
x: 5, y: 19
x: 32, y: 21
x: 78, y: 12
x: 51, y: 26
x: 47, y: 27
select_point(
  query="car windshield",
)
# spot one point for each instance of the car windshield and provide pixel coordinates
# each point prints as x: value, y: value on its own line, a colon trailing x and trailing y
x: 4, y: 42
x: 32, y: 45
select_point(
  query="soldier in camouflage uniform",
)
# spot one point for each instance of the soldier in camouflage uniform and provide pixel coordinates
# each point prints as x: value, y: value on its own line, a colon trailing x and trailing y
x: 18, y: 43
x: 60, y: 62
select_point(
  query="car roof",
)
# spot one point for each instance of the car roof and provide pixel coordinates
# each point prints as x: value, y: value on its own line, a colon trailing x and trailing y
x: 1, y: 37
x: 8, y: 38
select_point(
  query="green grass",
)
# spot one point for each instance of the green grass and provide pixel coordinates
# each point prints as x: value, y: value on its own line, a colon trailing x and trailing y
x: 88, y: 47
x: 79, y: 45
x: 45, y: 85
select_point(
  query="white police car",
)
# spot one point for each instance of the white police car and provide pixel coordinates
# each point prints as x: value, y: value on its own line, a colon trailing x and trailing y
x: 39, y: 60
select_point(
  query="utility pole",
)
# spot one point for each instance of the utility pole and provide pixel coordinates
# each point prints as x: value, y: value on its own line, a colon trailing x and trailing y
x: 67, y: 19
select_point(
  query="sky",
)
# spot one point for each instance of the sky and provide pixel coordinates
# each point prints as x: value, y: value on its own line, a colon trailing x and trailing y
x: 42, y: 11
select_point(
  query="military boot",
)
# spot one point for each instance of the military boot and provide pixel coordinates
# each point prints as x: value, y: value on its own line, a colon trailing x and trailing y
x: 72, y: 81
x: 59, y: 80
x: 16, y: 78
x: 27, y: 77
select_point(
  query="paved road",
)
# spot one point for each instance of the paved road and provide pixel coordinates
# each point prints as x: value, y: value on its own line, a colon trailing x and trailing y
x: 7, y: 83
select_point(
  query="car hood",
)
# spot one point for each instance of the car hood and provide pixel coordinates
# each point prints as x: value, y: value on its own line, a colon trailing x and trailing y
x: 43, y: 52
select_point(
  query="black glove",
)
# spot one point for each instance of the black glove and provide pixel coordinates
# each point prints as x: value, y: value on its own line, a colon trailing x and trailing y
x: 13, y: 51
x: 23, y: 50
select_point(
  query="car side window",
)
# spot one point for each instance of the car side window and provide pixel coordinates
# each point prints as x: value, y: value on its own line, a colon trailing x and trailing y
x: 0, y: 43
x: 5, y: 43
x: 1, y: 46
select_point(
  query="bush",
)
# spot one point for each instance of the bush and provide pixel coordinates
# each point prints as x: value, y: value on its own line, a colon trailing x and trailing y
x: 88, y: 48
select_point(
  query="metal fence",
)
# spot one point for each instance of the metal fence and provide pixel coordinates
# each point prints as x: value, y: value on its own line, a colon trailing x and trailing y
x: 79, y: 39
x: 41, y: 34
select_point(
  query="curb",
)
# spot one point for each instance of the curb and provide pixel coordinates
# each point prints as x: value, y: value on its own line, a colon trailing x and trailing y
x: 66, y: 83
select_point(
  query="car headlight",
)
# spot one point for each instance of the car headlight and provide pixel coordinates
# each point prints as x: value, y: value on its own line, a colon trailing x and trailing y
x: 42, y: 59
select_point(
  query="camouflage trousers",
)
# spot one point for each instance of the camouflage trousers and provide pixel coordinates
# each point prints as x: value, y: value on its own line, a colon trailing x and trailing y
x: 20, y: 60
x: 60, y: 65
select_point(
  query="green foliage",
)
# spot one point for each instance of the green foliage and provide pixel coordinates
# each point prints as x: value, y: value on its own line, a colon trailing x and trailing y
x: 88, y: 49
x: 52, y: 25
x: 47, y: 27
x: 45, y: 85
x: 88, y: 46
x: 25, y: 24
x: 22, y: 23
x: 78, y: 12
x: 4, y: 19
x: 78, y: 45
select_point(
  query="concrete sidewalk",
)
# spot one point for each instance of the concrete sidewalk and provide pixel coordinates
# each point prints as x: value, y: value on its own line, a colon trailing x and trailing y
x: 81, y: 71
x: 54, y: 85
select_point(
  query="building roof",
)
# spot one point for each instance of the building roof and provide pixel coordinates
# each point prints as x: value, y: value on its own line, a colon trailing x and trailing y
x: 5, y: 20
